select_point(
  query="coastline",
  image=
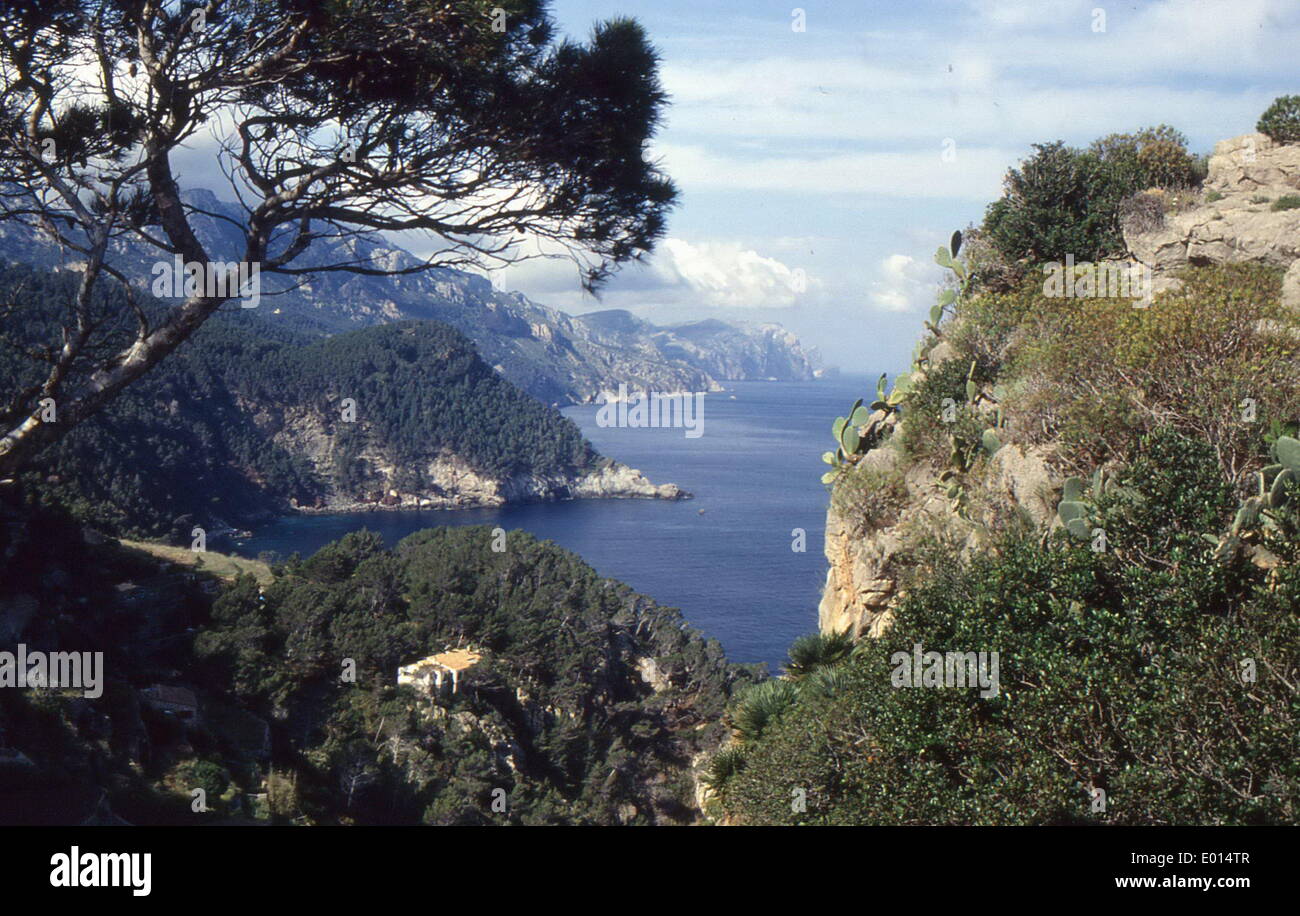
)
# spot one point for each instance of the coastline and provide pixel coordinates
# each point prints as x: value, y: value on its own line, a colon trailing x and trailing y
x: 614, y: 481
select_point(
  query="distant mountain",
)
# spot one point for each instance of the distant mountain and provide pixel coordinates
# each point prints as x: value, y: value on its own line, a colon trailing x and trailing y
x: 557, y: 358
x: 724, y: 351
x: 248, y: 420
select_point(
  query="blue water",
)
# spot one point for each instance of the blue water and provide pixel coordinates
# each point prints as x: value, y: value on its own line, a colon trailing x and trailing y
x: 725, y: 557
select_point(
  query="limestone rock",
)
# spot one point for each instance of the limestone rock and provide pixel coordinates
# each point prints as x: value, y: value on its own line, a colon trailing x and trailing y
x: 1026, y: 478
x: 862, y: 584
x: 1245, y: 175
x: 1291, y: 287
x: 1252, y: 163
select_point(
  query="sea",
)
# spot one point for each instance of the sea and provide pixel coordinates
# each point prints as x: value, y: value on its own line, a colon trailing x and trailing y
x: 743, y: 558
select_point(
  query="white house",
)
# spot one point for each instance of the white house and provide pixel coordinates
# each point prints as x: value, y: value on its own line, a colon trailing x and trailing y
x: 429, y: 673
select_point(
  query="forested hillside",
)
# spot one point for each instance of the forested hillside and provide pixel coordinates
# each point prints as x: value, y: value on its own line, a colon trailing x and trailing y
x: 553, y: 356
x: 590, y: 704
x: 247, y: 417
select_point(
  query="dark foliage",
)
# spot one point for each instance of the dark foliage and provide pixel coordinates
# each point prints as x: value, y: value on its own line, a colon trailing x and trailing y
x: 1066, y: 201
x: 192, y: 441
x: 1120, y: 671
x: 1281, y: 120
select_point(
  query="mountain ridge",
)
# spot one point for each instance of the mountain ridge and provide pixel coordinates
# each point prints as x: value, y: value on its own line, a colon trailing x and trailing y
x: 560, y: 359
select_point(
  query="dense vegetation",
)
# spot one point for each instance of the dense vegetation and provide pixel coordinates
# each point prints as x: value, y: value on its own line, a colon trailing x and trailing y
x: 1148, y: 630
x: 192, y: 441
x: 1154, y: 672
x: 477, y: 123
x: 1067, y: 201
x: 556, y: 724
x: 1281, y: 120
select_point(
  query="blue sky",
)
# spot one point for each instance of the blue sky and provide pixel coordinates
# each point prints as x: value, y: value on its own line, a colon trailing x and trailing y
x: 815, y: 185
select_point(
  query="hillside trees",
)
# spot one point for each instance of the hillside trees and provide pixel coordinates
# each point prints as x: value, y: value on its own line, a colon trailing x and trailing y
x: 195, y: 440
x: 467, y: 121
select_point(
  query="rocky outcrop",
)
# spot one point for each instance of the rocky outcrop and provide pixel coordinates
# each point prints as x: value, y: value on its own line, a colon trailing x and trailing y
x: 449, y: 481
x: 863, y: 582
x: 618, y: 481
x: 866, y: 568
x: 1230, y: 221
x: 1234, y: 221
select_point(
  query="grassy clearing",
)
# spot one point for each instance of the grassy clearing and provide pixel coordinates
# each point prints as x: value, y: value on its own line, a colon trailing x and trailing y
x: 221, y: 565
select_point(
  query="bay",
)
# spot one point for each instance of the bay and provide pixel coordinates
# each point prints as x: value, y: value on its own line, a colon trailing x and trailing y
x: 725, y: 557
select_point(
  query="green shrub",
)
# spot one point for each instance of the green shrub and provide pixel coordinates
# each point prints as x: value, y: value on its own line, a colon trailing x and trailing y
x: 761, y: 705
x: 1064, y: 201
x: 722, y: 766
x: 1281, y: 120
x: 817, y: 651
x: 868, y: 498
x: 1286, y: 202
x: 1154, y: 157
x: 1045, y: 211
x: 987, y: 324
x: 1118, y: 671
x: 207, y: 775
x: 923, y: 434
x: 1091, y: 376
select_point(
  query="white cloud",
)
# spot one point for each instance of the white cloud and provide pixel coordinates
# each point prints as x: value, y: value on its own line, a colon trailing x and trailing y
x: 905, y: 283
x: 714, y: 274
x: 728, y: 275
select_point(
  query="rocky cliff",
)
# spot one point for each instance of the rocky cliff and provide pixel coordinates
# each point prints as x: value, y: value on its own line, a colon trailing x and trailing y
x: 1247, y: 213
x: 241, y: 424
x: 868, y: 563
x: 733, y: 352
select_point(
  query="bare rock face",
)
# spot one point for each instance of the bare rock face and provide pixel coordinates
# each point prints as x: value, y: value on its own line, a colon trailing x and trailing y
x: 452, y: 483
x: 862, y: 584
x: 1252, y: 163
x: 1022, y: 476
x: 1235, y: 222
x: 859, y: 587
x: 620, y: 481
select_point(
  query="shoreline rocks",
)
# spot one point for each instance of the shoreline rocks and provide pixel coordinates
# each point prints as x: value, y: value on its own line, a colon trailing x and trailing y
x: 613, y: 481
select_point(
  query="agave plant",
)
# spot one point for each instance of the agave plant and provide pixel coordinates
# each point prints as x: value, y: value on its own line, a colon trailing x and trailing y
x: 814, y: 651
x: 761, y: 705
x: 826, y: 682
x: 724, y: 765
